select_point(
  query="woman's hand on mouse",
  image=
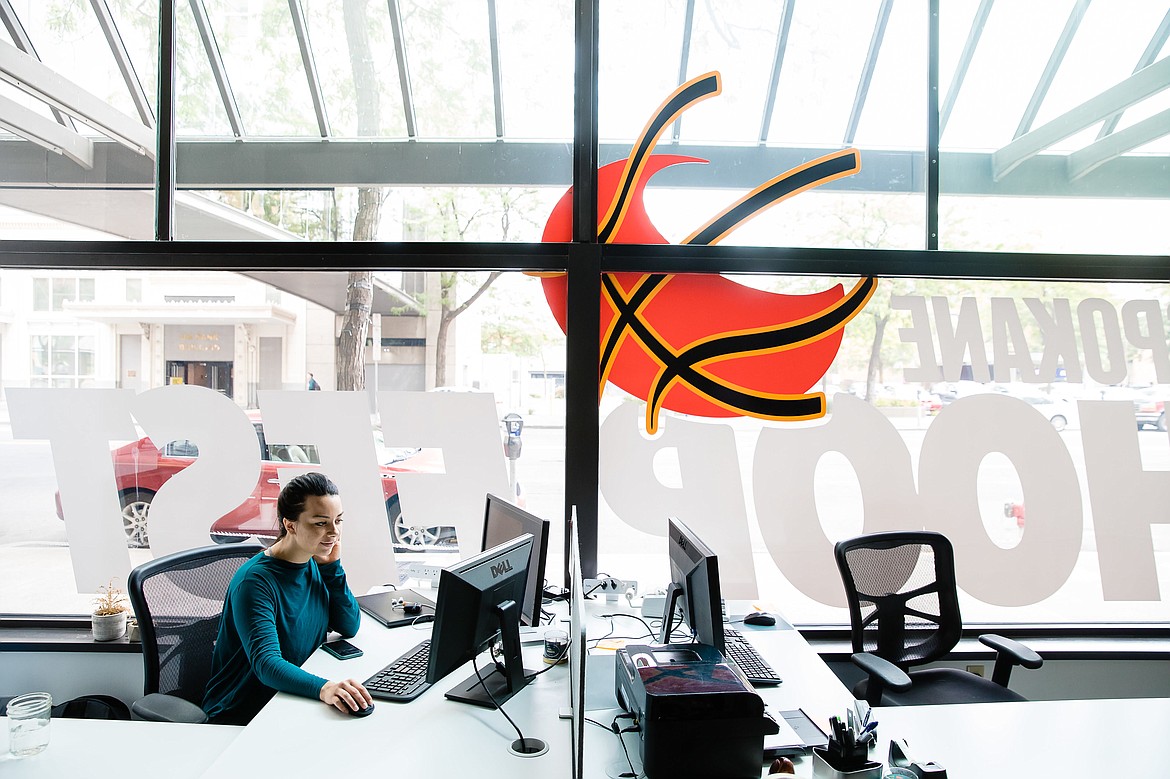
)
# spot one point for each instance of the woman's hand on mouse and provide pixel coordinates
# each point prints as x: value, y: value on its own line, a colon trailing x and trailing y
x: 346, y: 695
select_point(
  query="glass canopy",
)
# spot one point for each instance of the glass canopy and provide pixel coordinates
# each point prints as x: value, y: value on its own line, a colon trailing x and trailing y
x: 1058, y: 99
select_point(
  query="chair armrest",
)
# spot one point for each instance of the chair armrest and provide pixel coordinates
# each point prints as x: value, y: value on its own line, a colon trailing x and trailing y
x: 882, y: 674
x: 1008, y: 654
x: 159, y: 707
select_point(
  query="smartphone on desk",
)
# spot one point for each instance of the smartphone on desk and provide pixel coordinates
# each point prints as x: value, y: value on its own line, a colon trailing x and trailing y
x: 341, y: 649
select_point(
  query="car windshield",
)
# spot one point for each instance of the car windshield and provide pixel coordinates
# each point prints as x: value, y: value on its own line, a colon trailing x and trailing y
x: 388, y: 455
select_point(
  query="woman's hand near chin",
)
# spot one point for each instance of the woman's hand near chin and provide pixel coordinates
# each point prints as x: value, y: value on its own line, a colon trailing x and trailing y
x: 333, y: 556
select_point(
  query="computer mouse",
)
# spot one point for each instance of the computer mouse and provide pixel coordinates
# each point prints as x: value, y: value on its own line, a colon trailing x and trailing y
x: 759, y: 618
x: 361, y: 712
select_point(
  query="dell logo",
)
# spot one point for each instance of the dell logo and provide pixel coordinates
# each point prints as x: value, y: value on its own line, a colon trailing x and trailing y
x: 682, y: 543
x: 501, y: 568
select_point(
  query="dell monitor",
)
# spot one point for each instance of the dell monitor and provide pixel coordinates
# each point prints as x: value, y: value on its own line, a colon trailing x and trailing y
x: 502, y: 522
x: 479, y: 601
x: 694, y: 587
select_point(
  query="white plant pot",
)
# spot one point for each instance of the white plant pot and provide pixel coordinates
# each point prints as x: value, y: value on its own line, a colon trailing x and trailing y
x: 108, y: 627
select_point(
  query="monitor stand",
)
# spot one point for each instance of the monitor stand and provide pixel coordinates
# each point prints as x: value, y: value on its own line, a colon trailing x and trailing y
x: 673, y: 594
x: 501, y: 686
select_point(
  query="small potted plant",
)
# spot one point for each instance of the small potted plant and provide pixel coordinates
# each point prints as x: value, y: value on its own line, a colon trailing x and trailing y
x: 109, y: 613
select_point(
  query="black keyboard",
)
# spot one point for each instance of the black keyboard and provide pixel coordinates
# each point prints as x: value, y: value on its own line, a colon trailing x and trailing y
x: 404, y: 679
x: 740, y: 650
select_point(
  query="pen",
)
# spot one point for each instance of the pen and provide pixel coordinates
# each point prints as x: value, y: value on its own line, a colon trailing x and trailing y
x: 870, y: 727
x: 861, y: 706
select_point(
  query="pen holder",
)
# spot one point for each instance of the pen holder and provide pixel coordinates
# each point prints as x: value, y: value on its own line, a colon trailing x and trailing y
x: 826, y: 765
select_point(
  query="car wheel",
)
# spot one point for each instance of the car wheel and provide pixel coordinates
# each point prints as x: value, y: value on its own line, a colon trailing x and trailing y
x: 1162, y: 422
x: 1059, y: 422
x: 135, y: 507
x: 408, y: 537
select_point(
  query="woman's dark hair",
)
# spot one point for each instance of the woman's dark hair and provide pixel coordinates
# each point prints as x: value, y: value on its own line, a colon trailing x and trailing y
x: 292, y: 498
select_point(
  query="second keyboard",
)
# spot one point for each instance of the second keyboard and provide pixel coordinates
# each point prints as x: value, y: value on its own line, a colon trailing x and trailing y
x: 741, y: 651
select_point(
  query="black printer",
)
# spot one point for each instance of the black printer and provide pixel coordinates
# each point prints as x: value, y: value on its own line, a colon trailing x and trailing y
x: 698, y: 715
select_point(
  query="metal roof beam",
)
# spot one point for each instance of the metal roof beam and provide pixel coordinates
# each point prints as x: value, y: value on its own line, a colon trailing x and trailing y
x: 1157, y: 41
x: 25, y: 44
x: 777, y: 65
x: 34, y: 77
x: 684, y: 58
x: 871, y: 57
x: 45, y: 133
x: 1147, y: 81
x: 1050, y: 70
x: 227, y: 164
x: 403, y: 68
x: 125, y: 65
x: 218, y: 71
x: 497, y: 71
x: 1114, y: 145
x: 964, y: 63
x: 310, y: 63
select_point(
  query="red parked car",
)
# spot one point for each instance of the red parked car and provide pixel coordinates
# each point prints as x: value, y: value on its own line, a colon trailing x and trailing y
x: 1150, y: 410
x: 140, y: 470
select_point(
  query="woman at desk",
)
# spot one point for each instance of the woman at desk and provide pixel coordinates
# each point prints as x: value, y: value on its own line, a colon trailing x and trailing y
x: 280, y: 606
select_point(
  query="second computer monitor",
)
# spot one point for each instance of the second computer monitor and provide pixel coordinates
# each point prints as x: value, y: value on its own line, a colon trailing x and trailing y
x: 502, y: 522
x: 478, y: 603
x: 694, y: 586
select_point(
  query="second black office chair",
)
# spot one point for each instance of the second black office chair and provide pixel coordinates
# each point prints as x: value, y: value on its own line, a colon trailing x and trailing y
x: 178, y: 600
x: 904, y: 612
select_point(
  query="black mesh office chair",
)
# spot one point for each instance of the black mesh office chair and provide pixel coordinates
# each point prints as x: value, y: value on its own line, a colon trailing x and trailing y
x: 178, y: 600
x: 904, y: 611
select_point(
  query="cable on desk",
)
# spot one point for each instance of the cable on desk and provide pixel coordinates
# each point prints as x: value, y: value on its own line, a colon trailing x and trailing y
x: 549, y: 667
x: 649, y: 630
x: 554, y: 593
x: 620, y: 733
x: 492, y: 698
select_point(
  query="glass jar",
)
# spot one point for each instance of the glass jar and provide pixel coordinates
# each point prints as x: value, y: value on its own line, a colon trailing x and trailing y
x: 28, y: 723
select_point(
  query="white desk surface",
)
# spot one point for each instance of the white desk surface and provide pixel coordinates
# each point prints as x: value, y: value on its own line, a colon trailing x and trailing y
x: 1035, y: 739
x: 436, y: 738
x: 430, y: 736
x: 114, y: 749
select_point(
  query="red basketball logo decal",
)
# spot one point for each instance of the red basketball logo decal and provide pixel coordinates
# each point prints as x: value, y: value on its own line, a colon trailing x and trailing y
x: 702, y: 344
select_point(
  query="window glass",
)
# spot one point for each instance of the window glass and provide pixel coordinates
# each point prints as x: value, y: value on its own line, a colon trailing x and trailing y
x: 511, y: 214
x: 250, y: 364
x: 63, y: 290
x: 92, y: 168
x: 797, y: 99
x: 41, y: 294
x: 1047, y: 146
x: 1018, y: 418
x: 536, y: 41
x: 450, y: 62
x: 350, y: 115
x: 260, y: 53
x: 69, y: 39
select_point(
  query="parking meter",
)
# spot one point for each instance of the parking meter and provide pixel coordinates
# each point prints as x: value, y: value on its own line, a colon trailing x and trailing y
x: 513, y: 424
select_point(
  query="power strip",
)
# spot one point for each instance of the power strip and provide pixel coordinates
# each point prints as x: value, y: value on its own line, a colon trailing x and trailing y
x: 428, y: 574
x: 611, y: 587
x: 653, y: 606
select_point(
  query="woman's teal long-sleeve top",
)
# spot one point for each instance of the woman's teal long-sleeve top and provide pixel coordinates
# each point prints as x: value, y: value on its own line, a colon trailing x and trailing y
x: 275, y: 615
